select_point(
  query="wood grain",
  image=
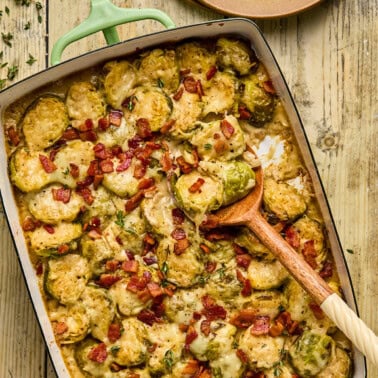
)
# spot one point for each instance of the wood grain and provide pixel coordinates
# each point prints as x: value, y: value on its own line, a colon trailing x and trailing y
x: 328, y: 56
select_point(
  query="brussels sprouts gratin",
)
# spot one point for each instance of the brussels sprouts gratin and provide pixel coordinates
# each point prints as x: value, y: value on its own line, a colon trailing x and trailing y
x: 114, y: 171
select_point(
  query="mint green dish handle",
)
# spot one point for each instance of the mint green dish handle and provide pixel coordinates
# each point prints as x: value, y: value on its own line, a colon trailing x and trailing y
x: 104, y: 16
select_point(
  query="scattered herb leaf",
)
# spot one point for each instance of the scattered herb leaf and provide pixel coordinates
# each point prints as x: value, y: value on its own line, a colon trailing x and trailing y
x: 114, y: 350
x: 120, y: 219
x: 2, y: 83
x: 350, y: 251
x: 31, y: 60
x: 131, y: 231
x: 168, y: 360
x: 12, y: 72
x: 3, y: 64
x: 39, y: 6
x: 7, y: 38
x: 7, y: 10
x: 208, y: 146
x: 23, y: 2
x: 1, y: 54
x: 164, y: 268
x: 27, y: 26
x: 160, y: 83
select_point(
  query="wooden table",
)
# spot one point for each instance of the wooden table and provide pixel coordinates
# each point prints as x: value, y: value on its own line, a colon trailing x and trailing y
x: 329, y: 57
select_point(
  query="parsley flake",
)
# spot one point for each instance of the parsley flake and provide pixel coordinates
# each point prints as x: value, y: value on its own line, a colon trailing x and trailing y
x: 160, y: 83
x: 27, y: 26
x: 2, y: 83
x: 39, y: 6
x: 168, y: 360
x: 208, y: 146
x: 114, y: 350
x: 31, y: 60
x: 7, y: 38
x: 7, y: 10
x: 164, y: 269
x: 12, y: 72
x: 120, y: 219
x: 350, y: 251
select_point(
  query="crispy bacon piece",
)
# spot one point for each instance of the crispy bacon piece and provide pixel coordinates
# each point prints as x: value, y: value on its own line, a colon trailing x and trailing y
x: 327, y: 270
x: 309, y: 253
x: 184, y: 71
x: 210, y: 266
x: 112, y: 265
x: 200, y: 89
x: 143, y: 128
x: 154, y: 289
x: 211, y: 72
x: 205, y: 248
x: 196, y: 187
x: 130, y: 266
x: 133, y: 375
x: 284, y: 321
x: 247, y: 288
x: 148, y: 317
x: 124, y: 164
x: 167, y: 126
x: 316, y: 310
x: 114, y: 332
x: 190, y: 84
x: 260, y: 325
x: 29, y: 224
x: 98, y: 353
x: 107, y: 280
x: 243, y: 260
x: 39, y: 268
x: 178, y: 94
x: 242, y: 356
x: 134, y: 201
x: 184, y: 166
x: 60, y: 328
x: 204, y: 373
x: 276, y: 329
x: 227, y: 129
x: 47, y: 164
x: 268, y: 87
x: 181, y: 246
x: 101, y: 152
x: 139, y: 171
x: 292, y: 237
x: 178, y: 216
x: 205, y: 327
x: 115, y: 117
x: 217, y: 234
x: 146, y: 183
x: 49, y: 228
x: 103, y: 124
x: 191, y: 335
x: 178, y: 234
x: 244, y: 113
x: 86, y: 194
x: 166, y: 162
x: 62, y: 194
x: 89, y: 135
x: 74, y: 170
x: 211, y: 310
x: 244, y: 318
x: 238, y: 249
x: 63, y: 248
x: 150, y: 260
x: 70, y: 134
x: 191, y: 368
x: 86, y: 126
x: 254, y: 374
x: 220, y: 146
x: 94, y: 168
x: 13, y: 136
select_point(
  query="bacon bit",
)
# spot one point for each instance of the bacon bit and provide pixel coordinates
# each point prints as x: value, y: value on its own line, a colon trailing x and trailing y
x: 86, y: 194
x: 130, y: 266
x: 134, y: 201
x: 205, y: 327
x: 154, y: 289
x: 196, y: 315
x: 124, y: 165
x: 129, y: 255
x: 146, y: 183
x: 61, y: 194
x: 178, y: 216
x: 247, y: 288
x: 190, y: 84
x: 292, y: 237
x: 183, y: 327
x: 152, y: 348
x: 74, y: 170
x: 184, y: 166
x: 243, y: 260
x: 211, y: 72
x: 242, y: 356
x: 218, y: 234
x: 107, y: 280
x: 116, y: 150
x: 196, y: 187
x: 216, y: 136
x: 89, y: 135
x: 97, y: 181
x: 205, y: 248
x: 191, y: 368
x: 211, y: 221
x: 191, y: 335
x: 53, y: 154
x: 184, y: 71
x: 115, y: 117
x: 238, y: 249
x: 211, y: 310
x: 227, y: 129
x: 114, y: 367
x: 210, y: 266
x: 70, y: 134
x: 101, y: 152
x: 39, y: 268
x: 63, y: 248
x: 114, y: 332
x: 317, y: 311
x: 103, y: 124
x: 205, y: 373
x: 29, y: 224
x: 276, y: 329
x: 93, y: 168
x: 50, y: 229
x: 254, y: 374
x: 268, y: 87
x: 148, y: 317
x: 309, y: 253
x: 14, y: 138
x: 98, y: 353
x: 112, y: 265
x: 133, y: 375
x: 166, y: 162
x: 47, y: 164
x: 200, y: 89
x: 60, y: 328
x: 170, y: 290
x: 167, y: 126
x: 260, y: 325
x: 291, y: 326
x: 178, y: 234
x: 86, y: 126
x: 106, y: 166
x: 220, y: 146
x: 244, y: 113
x: 244, y: 318
x: 94, y: 234
x: 148, y: 239
x: 143, y: 128
x: 327, y: 270
x: 178, y: 94
x: 195, y: 157
x: 181, y: 246
x: 150, y: 260
x: 86, y: 182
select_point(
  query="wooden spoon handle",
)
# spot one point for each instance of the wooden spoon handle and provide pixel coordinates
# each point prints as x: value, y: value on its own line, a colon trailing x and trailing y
x: 352, y: 326
x: 293, y: 262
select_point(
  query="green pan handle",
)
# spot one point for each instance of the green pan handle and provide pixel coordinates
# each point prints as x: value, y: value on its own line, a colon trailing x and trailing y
x: 104, y: 16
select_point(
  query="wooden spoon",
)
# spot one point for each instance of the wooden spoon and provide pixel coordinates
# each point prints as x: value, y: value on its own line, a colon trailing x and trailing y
x: 247, y: 212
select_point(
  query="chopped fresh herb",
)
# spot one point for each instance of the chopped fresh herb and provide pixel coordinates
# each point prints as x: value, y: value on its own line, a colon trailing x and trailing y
x: 23, y: 2
x: 3, y: 64
x: 131, y: 231
x: 120, y: 219
x: 66, y: 171
x: 164, y: 269
x: 31, y: 60
x: 160, y: 83
x: 168, y: 360
x: 1, y: 13
x: 114, y: 350
x: 7, y: 10
x: 1, y: 54
x: 131, y: 102
x: 208, y: 146
x: 7, y: 38
x: 202, y: 280
x: 235, y: 345
x: 27, y: 26
x: 164, y: 283
x: 277, y: 371
x: 2, y: 83
x: 12, y: 72
x: 281, y: 308
x: 350, y: 251
x: 221, y: 272
x: 39, y: 6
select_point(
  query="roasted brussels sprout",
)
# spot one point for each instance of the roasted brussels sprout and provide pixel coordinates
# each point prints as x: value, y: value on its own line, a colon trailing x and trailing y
x: 119, y: 81
x: 266, y: 302
x: 159, y: 68
x: 283, y: 200
x: 339, y: 366
x: 43, y: 242
x: 84, y: 102
x: 116, y: 135
x: 311, y: 353
x: 235, y: 54
x: 214, y: 144
x: 227, y: 365
x: 44, y: 122
x: 66, y: 278
x: 150, y: 104
x: 54, y: 204
x: 70, y: 323
x: 258, y: 102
